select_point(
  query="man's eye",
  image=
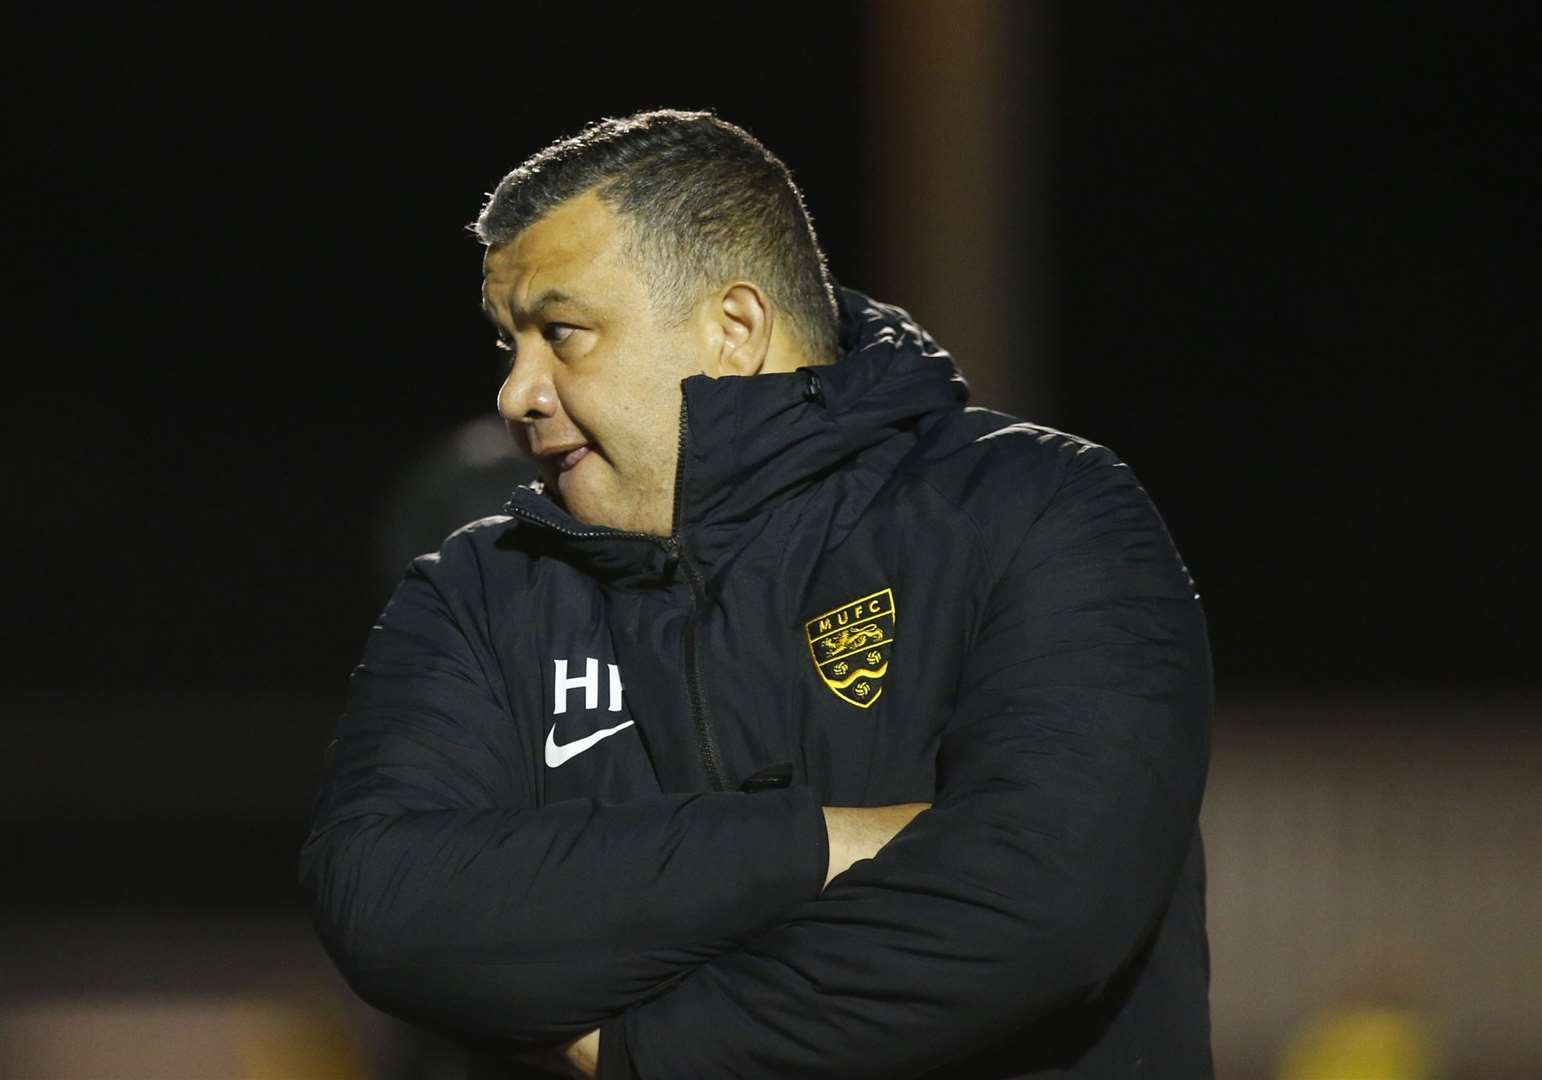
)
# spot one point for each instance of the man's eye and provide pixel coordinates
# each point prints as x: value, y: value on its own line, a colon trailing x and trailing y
x: 557, y: 332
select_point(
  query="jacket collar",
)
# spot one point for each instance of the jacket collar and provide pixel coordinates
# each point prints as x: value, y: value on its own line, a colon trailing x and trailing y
x: 750, y: 443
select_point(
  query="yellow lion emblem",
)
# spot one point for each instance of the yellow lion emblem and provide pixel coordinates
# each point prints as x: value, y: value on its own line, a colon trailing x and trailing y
x: 836, y: 638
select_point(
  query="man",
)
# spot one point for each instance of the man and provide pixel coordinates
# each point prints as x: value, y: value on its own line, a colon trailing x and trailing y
x: 802, y: 722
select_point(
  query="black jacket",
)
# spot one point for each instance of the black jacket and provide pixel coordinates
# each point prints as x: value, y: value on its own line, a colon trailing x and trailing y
x: 873, y: 595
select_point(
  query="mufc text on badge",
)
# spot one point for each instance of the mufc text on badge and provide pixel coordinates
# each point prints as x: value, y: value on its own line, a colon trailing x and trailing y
x: 850, y: 647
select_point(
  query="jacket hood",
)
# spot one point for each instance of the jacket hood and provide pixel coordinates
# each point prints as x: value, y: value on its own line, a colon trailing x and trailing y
x: 750, y: 442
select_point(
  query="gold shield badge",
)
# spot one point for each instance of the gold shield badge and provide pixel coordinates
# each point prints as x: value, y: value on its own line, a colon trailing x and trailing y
x: 850, y: 647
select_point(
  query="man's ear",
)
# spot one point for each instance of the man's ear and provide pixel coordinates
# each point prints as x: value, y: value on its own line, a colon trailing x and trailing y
x: 740, y: 320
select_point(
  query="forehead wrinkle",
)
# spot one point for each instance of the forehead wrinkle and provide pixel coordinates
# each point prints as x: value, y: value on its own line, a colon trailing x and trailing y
x: 571, y: 244
x: 545, y: 300
x: 500, y: 286
x: 491, y: 308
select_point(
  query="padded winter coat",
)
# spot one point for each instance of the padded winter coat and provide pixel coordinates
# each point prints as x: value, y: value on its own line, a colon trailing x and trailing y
x: 579, y: 778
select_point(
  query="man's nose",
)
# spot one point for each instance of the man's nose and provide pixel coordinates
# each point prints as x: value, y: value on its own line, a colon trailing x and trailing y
x: 528, y: 392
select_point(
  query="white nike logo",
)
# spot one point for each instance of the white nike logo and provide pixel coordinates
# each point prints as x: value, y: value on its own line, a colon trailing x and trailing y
x: 558, y: 755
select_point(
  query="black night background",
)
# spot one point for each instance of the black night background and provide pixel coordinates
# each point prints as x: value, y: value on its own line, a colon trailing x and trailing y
x: 1283, y: 261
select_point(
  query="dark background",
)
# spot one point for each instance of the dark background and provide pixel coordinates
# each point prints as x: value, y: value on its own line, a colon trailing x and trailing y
x: 1293, y: 285
x: 1291, y: 278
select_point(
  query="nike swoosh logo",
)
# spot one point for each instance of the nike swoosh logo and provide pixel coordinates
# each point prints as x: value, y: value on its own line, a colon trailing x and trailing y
x: 560, y: 755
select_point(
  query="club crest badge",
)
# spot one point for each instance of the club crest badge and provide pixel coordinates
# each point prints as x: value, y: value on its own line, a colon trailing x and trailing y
x: 850, y: 647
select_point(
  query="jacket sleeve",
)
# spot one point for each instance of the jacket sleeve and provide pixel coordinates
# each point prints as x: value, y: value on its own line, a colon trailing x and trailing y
x: 1069, y: 783
x: 447, y: 897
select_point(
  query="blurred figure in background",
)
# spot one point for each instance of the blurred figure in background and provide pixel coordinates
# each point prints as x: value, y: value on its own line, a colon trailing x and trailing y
x: 466, y: 475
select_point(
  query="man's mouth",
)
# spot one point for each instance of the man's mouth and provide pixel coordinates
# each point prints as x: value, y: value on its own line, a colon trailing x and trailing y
x: 572, y: 457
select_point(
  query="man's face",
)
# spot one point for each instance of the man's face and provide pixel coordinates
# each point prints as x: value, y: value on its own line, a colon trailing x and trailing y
x: 593, y: 390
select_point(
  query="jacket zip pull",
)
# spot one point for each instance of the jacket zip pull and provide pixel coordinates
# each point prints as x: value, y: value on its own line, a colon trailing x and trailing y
x: 768, y: 779
x: 674, y: 555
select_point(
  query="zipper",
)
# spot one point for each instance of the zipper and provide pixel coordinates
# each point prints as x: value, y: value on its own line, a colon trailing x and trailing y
x: 694, y: 684
x: 674, y: 548
x: 587, y: 534
x: 694, y: 688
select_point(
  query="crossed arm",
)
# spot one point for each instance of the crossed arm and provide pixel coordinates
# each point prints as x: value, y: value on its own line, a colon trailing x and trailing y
x: 446, y: 896
x: 853, y: 832
x: 726, y: 940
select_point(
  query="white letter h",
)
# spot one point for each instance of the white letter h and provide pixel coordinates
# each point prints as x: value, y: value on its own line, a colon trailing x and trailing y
x: 590, y: 681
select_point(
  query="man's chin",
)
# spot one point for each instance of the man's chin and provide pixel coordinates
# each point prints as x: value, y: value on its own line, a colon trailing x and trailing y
x: 589, y: 507
x: 612, y: 514
x: 589, y: 493
x: 577, y: 498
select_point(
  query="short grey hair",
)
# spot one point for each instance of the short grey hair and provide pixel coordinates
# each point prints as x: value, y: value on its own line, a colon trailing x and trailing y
x: 704, y: 201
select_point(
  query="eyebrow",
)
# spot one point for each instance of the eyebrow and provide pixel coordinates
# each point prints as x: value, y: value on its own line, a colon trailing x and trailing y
x: 542, y: 302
